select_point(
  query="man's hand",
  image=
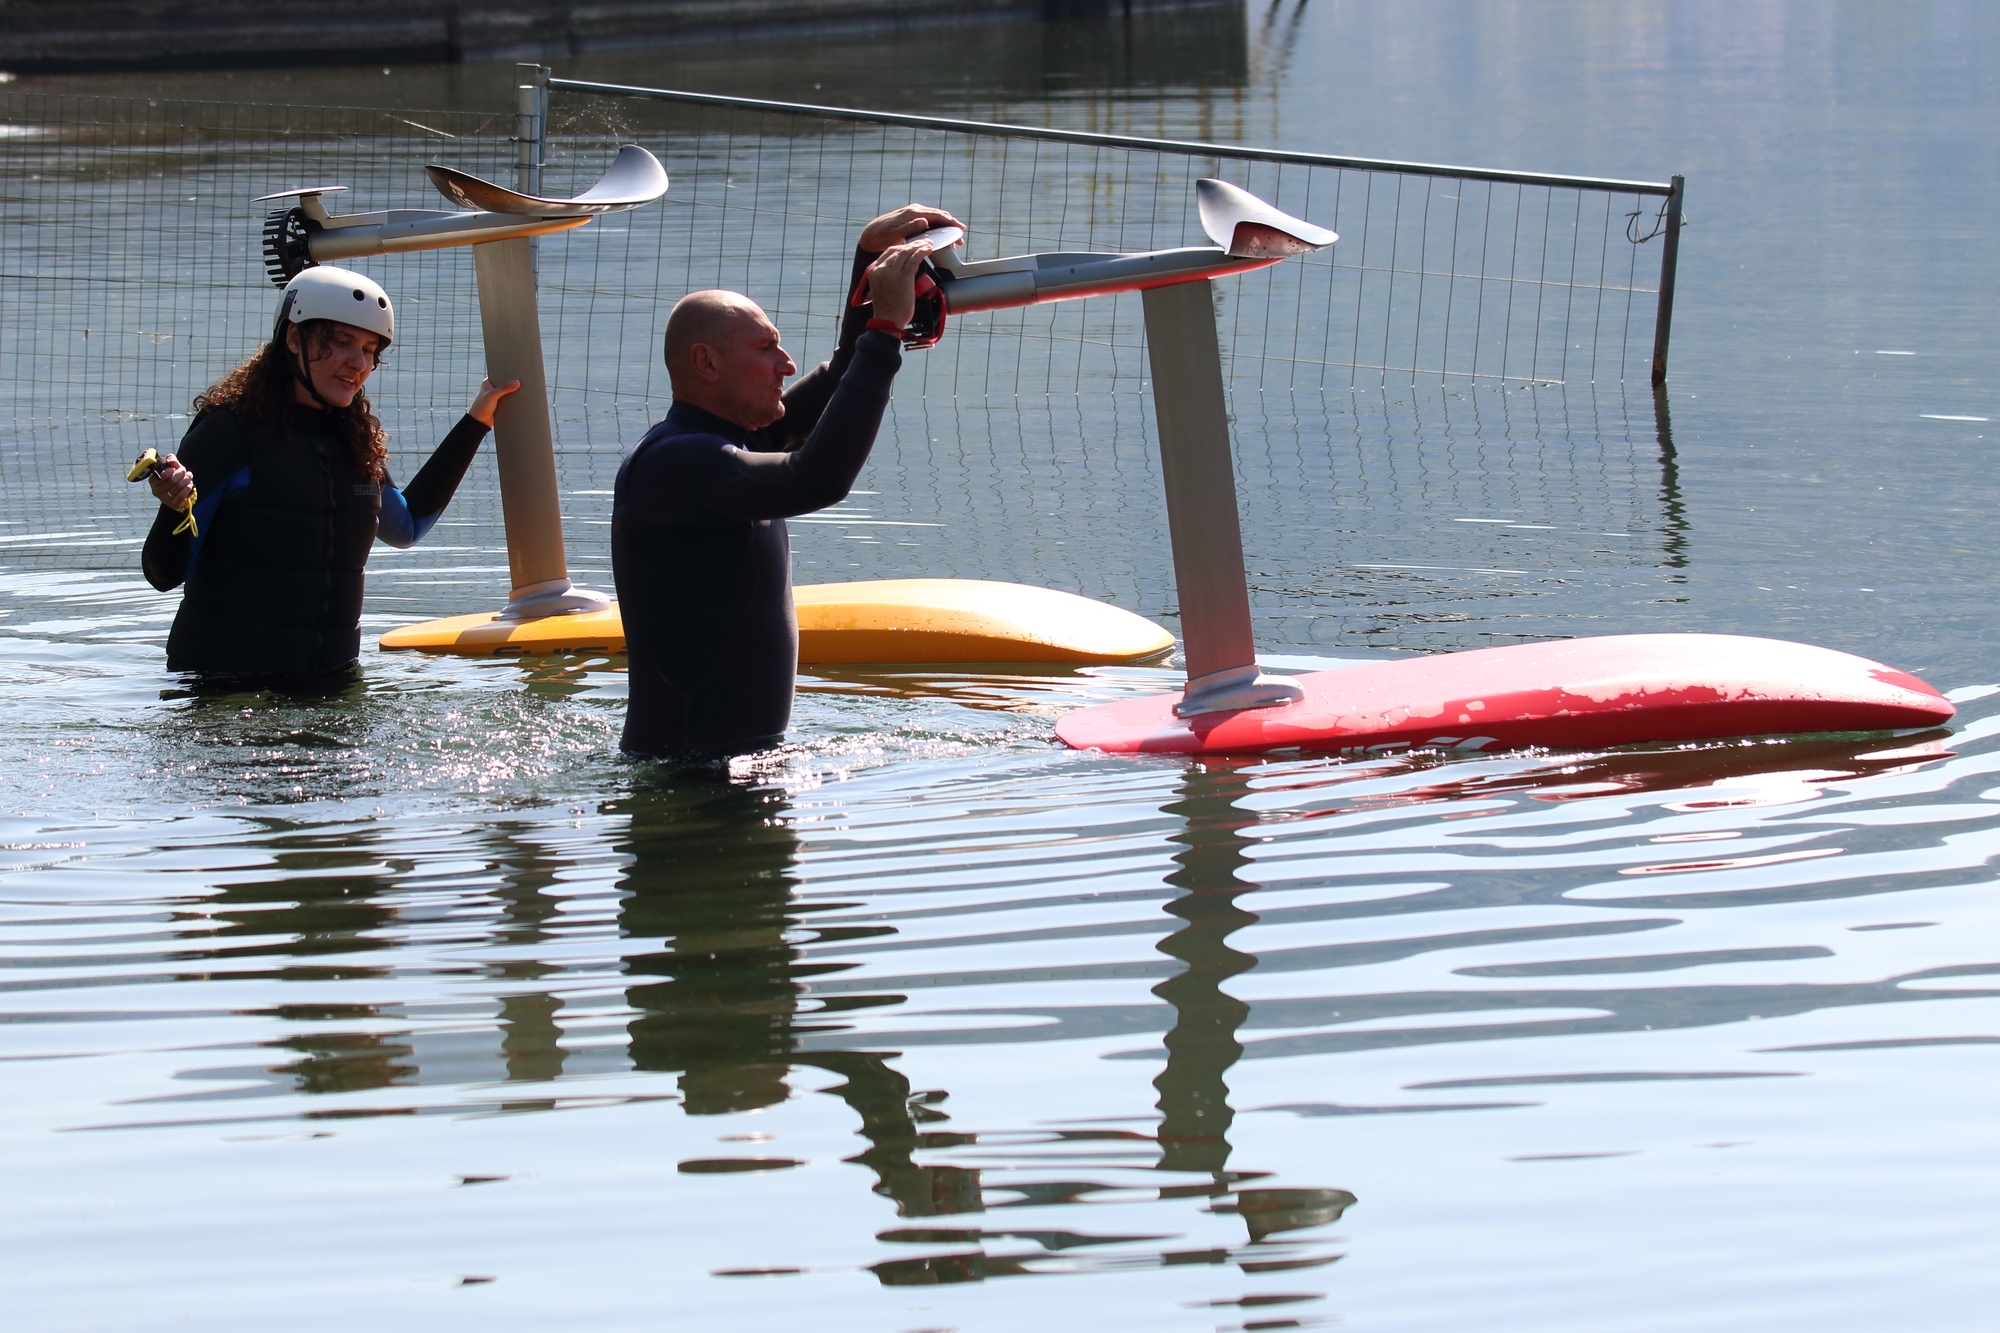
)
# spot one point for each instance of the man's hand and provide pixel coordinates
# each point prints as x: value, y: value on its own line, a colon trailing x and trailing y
x: 892, y: 282
x: 902, y: 224
x: 488, y: 400
x: 171, y: 483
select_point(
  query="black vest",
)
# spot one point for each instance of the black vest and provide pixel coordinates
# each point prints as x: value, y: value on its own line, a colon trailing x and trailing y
x: 275, y: 588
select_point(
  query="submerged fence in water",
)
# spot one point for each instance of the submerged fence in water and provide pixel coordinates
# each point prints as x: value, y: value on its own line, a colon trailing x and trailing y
x: 1475, y: 351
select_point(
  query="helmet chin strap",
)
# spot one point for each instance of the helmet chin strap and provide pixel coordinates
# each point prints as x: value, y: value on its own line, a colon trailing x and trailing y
x: 301, y: 371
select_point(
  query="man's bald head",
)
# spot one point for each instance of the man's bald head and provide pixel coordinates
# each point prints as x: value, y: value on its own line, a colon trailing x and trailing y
x: 704, y: 317
x: 723, y: 355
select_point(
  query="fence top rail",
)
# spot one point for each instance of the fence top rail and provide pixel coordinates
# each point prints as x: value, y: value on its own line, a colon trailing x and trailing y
x: 1117, y: 140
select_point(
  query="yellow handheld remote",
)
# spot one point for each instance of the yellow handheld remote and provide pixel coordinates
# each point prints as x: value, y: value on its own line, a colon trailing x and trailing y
x: 148, y: 464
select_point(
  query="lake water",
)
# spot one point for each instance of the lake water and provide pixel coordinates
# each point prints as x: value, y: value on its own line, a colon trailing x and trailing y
x: 419, y: 1007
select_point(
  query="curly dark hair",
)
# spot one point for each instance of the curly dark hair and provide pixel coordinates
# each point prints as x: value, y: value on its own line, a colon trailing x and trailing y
x: 260, y: 393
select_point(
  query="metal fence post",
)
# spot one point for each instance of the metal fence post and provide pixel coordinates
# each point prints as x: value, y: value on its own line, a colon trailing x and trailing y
x: 531, y: 115
x: 1669, y: 261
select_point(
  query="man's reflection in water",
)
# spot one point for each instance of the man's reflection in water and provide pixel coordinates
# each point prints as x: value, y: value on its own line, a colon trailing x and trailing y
x: 711, y: 877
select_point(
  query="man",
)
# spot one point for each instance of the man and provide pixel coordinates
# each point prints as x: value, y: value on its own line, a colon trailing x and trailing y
x: 699, y: 550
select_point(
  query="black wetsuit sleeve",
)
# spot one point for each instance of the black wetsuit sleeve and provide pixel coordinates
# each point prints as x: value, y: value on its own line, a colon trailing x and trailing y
x: 809, y: 395
x: 213, y: 450
x: 432, y: 488
x: 819, y: 472
x: 735, y: 484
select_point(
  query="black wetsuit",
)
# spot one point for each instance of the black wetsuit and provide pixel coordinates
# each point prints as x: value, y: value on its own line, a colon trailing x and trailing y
x: 274, y: 582
x: 703, y: 563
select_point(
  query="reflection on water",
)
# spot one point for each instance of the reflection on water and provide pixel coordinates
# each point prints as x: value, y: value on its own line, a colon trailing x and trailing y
x: 711, y: 881
x: 711, y: 877
x: 1201, y: 1046
x: 1672, y: 506
x: 897, y: 1017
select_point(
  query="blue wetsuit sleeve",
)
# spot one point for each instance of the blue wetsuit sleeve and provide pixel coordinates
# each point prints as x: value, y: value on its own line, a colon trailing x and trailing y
x: 215, y: 451
x: 397, y: 526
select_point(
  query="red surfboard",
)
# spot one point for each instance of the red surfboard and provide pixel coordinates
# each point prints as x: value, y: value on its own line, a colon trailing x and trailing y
x: 1575, y: 694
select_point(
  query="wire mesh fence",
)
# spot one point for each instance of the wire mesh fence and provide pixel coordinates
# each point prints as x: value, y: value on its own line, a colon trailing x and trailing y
x: 130, y: 258
x: 1451, y: 400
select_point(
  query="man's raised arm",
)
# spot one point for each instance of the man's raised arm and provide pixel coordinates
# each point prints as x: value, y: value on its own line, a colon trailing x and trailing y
x: 820, y: 470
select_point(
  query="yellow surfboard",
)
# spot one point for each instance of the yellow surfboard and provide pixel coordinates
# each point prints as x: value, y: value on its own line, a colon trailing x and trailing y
x: 883, y: 620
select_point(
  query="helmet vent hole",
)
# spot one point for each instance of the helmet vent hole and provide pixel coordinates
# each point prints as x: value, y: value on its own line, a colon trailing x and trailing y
x: 359, y: 295
x: 382, y: 301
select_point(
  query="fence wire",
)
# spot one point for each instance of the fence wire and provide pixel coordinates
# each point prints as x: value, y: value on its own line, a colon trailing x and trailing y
x: 1453, y: 399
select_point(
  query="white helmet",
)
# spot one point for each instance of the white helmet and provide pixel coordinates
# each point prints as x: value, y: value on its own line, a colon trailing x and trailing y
x: 324, y: 292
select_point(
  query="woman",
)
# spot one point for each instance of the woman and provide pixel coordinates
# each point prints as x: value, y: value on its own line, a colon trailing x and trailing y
x: 289, y: 467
